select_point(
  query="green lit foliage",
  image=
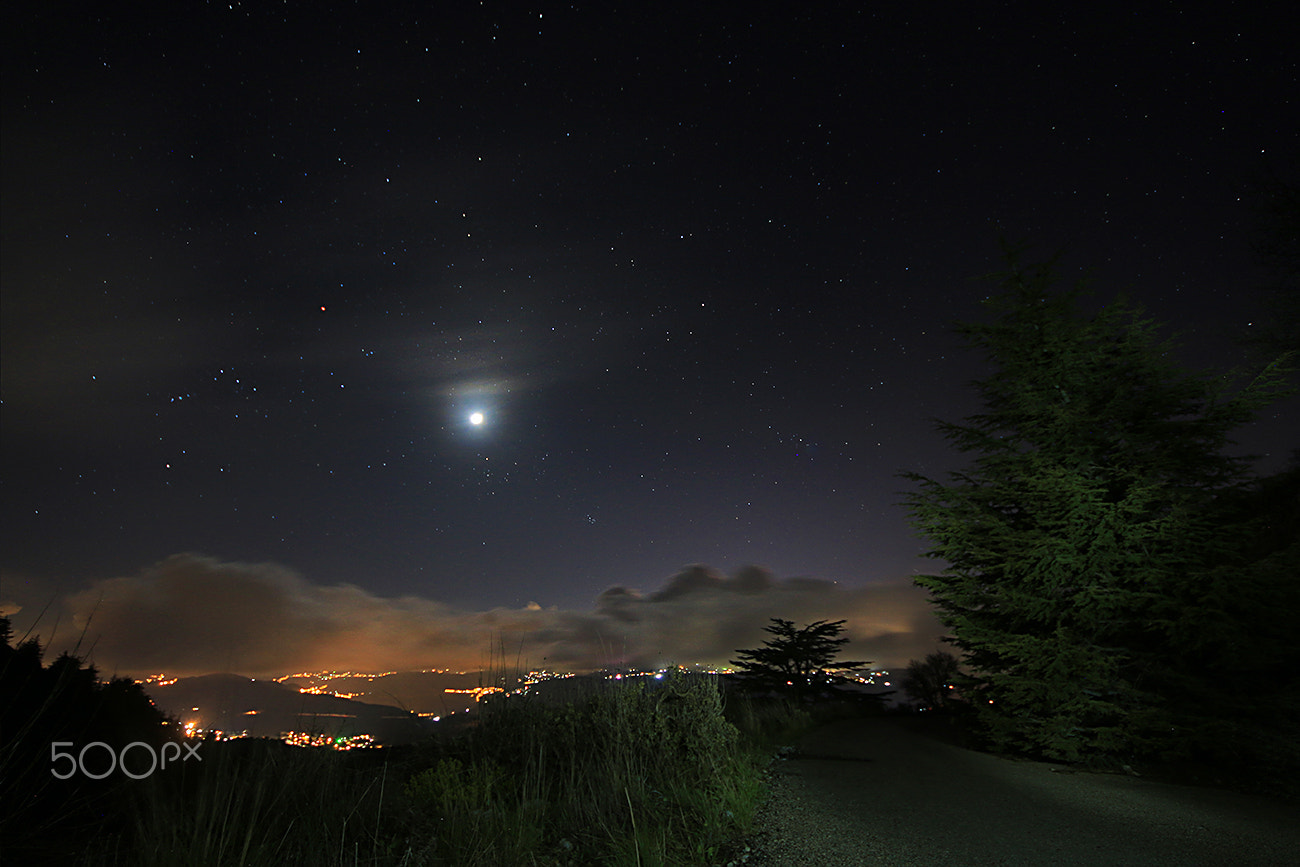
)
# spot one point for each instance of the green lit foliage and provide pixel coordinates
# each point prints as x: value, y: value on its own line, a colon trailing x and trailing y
x: 771, y: 721
x: 475, y: 812
x: 1080, y: 540
x: 632, y: 773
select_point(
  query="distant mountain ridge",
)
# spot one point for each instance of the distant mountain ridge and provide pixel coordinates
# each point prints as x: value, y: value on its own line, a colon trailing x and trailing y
x: 424, y: 692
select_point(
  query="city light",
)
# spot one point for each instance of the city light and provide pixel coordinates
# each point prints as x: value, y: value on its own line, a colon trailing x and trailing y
x: 333, y: 742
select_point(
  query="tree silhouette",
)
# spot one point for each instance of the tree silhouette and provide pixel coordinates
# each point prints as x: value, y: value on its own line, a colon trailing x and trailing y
x: 61, y: 702
x: 929, y: 682
x: 795, y: 660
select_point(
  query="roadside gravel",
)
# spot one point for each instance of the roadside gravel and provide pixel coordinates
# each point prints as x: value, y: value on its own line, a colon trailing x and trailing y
x: 871, y: 792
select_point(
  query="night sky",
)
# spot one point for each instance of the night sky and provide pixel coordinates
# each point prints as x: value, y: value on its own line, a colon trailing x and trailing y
x: 694, y: 266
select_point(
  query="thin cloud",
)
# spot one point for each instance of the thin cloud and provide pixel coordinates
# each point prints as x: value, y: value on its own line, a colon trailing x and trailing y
x: 192, y: 614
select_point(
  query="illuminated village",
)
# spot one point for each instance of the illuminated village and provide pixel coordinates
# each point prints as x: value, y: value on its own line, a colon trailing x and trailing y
x: 550, y: 685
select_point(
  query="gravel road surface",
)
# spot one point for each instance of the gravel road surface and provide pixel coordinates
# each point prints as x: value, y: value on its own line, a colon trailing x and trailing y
x: 873, y: 792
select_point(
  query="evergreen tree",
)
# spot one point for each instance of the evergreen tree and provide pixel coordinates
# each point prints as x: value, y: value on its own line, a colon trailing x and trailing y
x: 795, y: 659
x: 1077, y: 541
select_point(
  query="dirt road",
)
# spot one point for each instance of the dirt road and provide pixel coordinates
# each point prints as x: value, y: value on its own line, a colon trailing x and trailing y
x: 872, y: 792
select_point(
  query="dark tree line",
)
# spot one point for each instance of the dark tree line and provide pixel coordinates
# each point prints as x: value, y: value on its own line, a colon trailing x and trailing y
x: 1118, y: 582
x: 62, y: 702
x: 931, y: 682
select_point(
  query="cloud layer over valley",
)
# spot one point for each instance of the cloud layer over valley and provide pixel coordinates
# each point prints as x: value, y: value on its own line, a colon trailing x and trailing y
x: 192, y: 614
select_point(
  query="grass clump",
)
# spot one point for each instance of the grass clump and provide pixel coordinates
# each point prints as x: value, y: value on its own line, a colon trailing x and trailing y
x: 639, y: 772
x: 631, y: 774
x: 258, y: 801
x: 768, y: 722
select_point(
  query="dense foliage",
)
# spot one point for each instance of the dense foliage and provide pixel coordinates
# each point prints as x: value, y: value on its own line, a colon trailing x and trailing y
x: 1113, y: 576
x: 647, y: 771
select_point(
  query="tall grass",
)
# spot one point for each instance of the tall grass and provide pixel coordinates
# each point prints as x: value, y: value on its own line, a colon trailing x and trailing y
x: 768, y: 722
x: 639, y: 773
x: 632, y: 774
x: 256, y: 802
x: 47, y: 811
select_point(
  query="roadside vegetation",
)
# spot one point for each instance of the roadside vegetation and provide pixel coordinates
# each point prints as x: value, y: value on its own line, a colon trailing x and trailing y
x: 638, y: 772
x: 1120, y: 581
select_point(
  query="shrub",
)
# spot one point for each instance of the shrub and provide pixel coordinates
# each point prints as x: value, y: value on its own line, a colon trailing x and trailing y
x: 652, y: 772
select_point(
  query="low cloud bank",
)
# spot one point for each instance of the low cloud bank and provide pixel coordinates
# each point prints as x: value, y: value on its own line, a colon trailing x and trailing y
x: 192, y: 614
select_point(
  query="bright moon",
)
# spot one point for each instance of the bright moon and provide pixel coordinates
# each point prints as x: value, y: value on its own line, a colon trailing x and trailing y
x: 476, y: 418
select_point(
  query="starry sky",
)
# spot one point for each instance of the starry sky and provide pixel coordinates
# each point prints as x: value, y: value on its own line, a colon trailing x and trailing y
x: 693, y: 265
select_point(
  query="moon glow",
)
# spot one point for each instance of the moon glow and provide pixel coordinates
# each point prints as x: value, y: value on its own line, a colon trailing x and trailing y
x: 476, y: 418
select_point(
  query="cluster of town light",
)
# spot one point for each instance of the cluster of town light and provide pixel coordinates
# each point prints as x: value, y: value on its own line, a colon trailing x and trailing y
x: 333, y: 742
x: 362, y: 741
x: 192, y: 730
